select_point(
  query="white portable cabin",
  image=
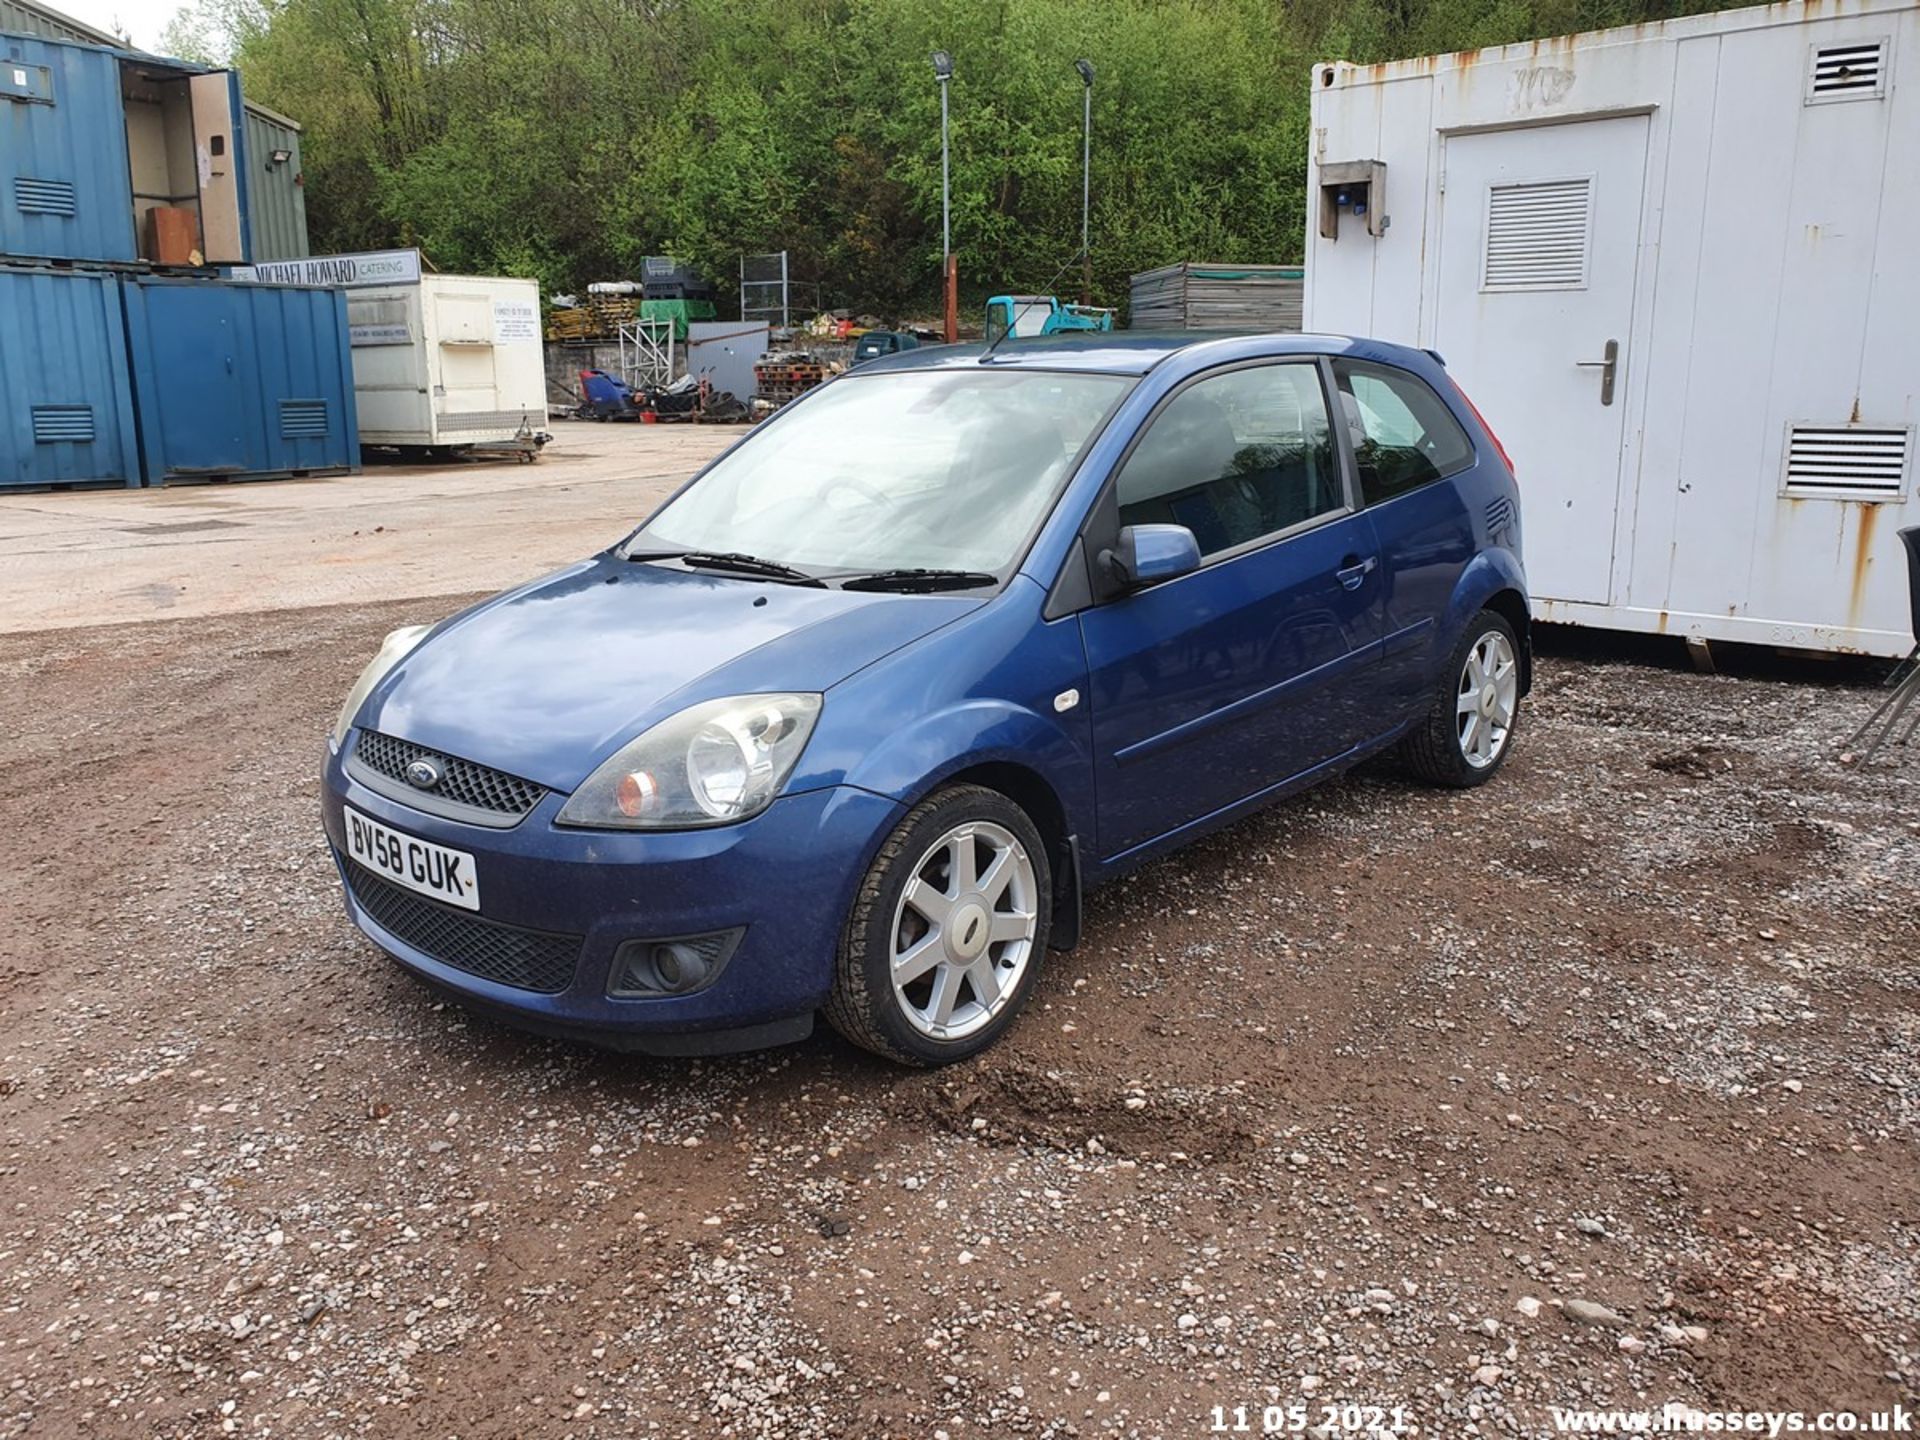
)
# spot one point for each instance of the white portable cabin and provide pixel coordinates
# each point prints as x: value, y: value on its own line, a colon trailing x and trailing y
x: 439, y: 361
x: 1677, y: 267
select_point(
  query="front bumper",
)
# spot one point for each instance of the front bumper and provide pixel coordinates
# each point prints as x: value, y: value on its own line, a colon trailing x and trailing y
x: 787, y: 878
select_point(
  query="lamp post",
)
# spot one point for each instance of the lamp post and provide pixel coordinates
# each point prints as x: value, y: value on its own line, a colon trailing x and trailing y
x: 1085, y: 67
x: 943, y: 72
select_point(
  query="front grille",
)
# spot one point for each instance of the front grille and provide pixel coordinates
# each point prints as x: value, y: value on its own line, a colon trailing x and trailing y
x: 462, y: 782
x: 505, y: 954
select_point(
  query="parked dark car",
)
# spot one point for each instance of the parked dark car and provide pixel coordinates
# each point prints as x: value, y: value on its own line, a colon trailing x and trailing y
x: 854, y: 720
x: 876, y: 343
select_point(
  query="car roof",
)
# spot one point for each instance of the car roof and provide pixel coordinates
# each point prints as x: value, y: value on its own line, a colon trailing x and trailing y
x: 1134, y: 352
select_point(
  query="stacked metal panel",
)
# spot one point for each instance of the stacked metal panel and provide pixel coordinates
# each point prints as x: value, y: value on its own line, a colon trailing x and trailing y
x: 1257, y: 299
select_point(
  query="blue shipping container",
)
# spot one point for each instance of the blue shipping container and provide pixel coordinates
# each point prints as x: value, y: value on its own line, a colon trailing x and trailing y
x: 66, y: 406
x: 241, y: 381
x: 92, y: 140
x: 65, y: 187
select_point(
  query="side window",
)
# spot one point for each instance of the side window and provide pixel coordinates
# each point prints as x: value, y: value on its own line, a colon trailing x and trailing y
x: 1236, y: 457
x: 1403, y: 434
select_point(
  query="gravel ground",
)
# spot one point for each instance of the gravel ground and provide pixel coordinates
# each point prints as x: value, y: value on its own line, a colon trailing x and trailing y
x: 1600, y: 1086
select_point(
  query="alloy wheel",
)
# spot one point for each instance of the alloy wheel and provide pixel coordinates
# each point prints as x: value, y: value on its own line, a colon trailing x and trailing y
x: 1488, y: 693
x: 963, y: 931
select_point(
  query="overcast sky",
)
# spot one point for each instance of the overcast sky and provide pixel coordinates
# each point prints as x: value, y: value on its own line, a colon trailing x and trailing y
x: 143, y: 19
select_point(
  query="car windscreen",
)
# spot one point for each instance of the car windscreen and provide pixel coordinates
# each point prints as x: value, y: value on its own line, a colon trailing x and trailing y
x: 941, y: 469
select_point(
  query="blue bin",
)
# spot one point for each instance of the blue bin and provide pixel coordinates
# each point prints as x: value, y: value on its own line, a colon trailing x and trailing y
x: 239, y: 381
x: 66, y: 406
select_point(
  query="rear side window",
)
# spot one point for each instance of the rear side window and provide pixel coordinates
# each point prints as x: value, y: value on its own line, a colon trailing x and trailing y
x: 1236, y: 457
x: 1403, y: 434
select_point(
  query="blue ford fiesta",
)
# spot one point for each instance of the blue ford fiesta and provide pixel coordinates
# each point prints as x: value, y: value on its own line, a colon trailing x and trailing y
x: 851, y: 724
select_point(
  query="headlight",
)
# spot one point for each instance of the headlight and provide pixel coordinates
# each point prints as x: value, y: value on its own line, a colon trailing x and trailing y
x: 711, y: 764
x: 392, y: 651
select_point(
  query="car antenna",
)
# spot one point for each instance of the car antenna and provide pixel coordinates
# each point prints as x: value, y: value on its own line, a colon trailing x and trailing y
x: 1047, y: 289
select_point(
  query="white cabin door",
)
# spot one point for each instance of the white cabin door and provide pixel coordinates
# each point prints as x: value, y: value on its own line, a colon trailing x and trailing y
x: 216, y: 146
x: 1540, y: 231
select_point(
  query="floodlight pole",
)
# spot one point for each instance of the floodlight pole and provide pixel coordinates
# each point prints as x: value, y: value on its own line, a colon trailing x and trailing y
x: 949, y: 272
x: 1085, y: 67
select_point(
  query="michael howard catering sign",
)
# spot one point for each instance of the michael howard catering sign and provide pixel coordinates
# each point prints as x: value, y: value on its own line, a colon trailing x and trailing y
x: 374, y: 267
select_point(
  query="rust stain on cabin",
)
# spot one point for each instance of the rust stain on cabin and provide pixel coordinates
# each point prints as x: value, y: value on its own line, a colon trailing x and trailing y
x: 1862, y: 562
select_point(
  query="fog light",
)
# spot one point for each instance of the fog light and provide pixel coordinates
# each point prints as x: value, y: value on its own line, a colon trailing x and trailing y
x: 676, y: 966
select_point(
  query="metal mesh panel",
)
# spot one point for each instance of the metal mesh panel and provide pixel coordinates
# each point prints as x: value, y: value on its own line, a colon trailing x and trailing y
x: 462, y: 781
x: 505, y: 954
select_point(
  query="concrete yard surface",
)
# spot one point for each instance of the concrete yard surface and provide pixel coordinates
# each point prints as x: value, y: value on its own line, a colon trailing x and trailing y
x: 104, y: 557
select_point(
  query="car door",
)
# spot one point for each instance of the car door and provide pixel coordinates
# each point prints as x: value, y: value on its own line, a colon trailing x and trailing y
x: 1212, y: 687
x: 1414, y: 464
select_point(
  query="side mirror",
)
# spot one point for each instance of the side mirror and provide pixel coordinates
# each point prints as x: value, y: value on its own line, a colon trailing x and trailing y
x: 1148, y: 554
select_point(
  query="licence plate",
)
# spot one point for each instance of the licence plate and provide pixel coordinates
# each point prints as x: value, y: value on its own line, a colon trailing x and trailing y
x: 420, y: 865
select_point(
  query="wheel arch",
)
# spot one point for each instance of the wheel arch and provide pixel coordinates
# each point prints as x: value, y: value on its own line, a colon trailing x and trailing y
x: 1038, y: 761
x: 1035, y: 794
x: 1493, y: 581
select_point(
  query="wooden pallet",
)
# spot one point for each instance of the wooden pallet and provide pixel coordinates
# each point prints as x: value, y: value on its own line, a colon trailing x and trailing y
x: 800, y: 375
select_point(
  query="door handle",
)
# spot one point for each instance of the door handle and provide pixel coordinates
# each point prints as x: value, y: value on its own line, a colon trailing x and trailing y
x: 1607, y: 365
x: 1355, y: 570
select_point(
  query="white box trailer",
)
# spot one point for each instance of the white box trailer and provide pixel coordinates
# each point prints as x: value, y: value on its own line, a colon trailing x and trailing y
x: 440, y: 362
x: 1677, y: 266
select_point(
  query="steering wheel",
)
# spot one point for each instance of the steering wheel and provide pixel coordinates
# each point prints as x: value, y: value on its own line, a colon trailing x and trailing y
x: 859, y: 487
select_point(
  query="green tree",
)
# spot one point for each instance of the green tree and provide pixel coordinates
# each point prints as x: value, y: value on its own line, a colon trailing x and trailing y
x: 566, y: 139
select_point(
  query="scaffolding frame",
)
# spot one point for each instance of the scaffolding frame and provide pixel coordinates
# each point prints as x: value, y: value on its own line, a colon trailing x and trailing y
x: 646, y: 352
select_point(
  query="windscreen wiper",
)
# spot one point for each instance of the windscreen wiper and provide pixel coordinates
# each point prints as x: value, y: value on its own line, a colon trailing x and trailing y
x: 920, y: 580
x: 744, y: 564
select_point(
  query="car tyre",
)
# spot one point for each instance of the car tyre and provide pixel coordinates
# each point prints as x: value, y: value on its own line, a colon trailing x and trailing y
x: 1469, y: 727
x: 958, y: 904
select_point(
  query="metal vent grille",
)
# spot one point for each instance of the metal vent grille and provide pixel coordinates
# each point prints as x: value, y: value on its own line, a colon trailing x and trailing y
x: 1847, y: 460
x: 303, y: 419
x: 505, y: 954
x: 1848, y: 72
x: 1499, y: 516
x: 1537, y: 235
x: 44, y: 197
x: 63, y: 424
x: 463, y: 783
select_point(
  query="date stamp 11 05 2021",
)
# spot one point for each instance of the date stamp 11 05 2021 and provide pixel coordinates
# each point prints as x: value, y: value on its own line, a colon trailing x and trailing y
x: 1301, y: 1418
